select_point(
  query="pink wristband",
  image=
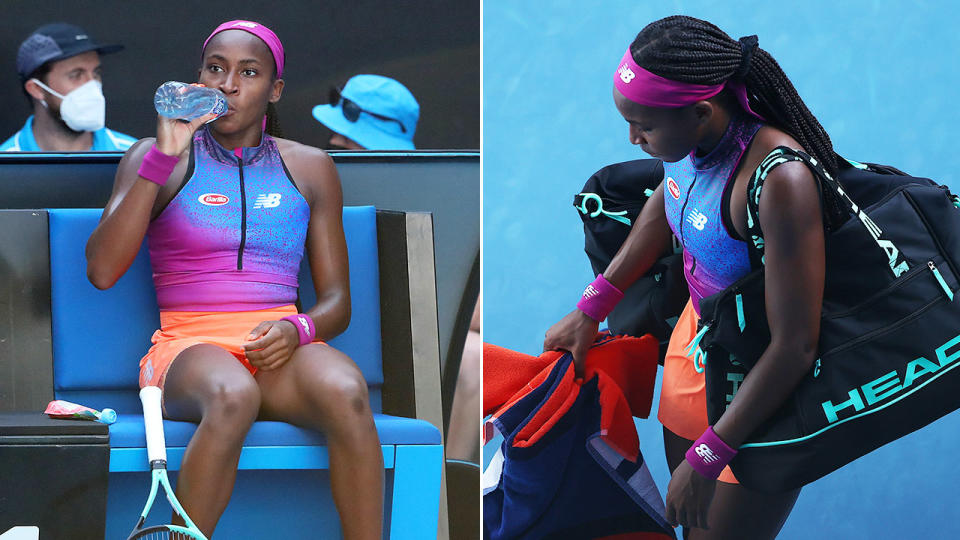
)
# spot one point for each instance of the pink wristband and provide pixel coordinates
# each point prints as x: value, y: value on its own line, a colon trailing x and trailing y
x: 709, y: 454
x: 599, y: 299
x: 304, y: 326
x: 157, y: 166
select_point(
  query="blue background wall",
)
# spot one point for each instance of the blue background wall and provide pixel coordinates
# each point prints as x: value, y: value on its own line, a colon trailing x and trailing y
x: 881, y: 79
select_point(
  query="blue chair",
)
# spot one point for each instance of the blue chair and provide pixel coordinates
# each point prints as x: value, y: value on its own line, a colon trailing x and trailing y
x: 99, y: 336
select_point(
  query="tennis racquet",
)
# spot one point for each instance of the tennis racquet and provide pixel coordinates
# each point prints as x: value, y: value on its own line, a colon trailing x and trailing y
x: 157, y: 456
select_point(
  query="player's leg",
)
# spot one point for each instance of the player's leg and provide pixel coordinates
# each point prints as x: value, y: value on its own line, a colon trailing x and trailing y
x: 206, y: 384
x: 321, y: 388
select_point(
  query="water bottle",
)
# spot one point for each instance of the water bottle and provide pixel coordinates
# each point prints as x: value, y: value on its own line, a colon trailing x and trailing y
x: 188, y: 101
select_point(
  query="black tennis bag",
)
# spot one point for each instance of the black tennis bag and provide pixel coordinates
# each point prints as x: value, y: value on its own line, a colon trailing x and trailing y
x: 608, y: 204
x: 889, y: 333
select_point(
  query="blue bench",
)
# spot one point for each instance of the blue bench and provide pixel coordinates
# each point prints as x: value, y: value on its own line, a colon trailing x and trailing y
x: 99, y: 336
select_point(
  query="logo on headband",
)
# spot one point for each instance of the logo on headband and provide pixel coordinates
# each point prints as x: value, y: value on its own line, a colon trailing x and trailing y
x: 626, y: 74
x: 246, y: 24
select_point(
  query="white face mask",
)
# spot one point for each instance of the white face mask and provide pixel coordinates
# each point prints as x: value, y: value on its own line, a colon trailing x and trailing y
x: 83, y: 109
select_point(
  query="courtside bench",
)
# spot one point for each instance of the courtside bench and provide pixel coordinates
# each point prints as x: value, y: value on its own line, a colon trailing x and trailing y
x: 99, y: 336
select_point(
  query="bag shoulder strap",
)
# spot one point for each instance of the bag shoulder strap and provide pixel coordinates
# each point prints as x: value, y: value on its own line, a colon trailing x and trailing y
x: 778, y: 156
x: 781, y: 155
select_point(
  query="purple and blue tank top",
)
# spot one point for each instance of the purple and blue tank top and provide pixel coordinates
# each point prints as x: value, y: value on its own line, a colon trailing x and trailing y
x: 232, y: 238
x: 695, y: 192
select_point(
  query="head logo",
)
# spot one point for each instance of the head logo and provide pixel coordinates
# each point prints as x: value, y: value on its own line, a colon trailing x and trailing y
x: 673, y: 188
x: 213, y: 199
x: 626, y: 74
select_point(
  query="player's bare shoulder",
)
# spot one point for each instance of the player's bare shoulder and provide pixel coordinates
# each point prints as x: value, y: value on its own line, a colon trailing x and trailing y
x: 312, y: 169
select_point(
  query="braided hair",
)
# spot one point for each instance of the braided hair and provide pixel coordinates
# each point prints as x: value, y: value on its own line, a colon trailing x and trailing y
x: 694, y: 51
x: 273, y: 122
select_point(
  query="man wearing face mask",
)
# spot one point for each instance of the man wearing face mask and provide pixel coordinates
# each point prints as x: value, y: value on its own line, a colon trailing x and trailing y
x: 59, y: 66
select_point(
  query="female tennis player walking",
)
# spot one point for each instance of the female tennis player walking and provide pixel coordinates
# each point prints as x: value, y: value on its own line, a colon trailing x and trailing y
x: 712, y: 108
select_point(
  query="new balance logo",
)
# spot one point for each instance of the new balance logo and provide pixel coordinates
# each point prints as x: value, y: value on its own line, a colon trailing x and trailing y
x: 697, y: 219
x: 267, y: 200
x: 626, y: 74
x: 304, y: 324
x: 706, y: 453
x: 590, y: 291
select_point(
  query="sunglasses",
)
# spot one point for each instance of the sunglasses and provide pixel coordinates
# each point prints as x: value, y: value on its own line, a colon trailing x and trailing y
x: 351, y: 111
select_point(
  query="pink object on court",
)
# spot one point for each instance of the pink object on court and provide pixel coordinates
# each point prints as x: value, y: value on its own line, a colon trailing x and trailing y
x: 157, y: 166
x: 259, y: 30
x: 645, y: 88
x: 709, y: 454
x: 599, y: 299
x: 304, y: 325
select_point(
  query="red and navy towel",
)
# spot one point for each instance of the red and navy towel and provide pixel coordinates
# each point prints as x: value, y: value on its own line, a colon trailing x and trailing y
x: 570, y: 464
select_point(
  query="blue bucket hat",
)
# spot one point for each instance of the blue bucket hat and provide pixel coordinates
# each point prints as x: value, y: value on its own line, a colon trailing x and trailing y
x: 377, y: 112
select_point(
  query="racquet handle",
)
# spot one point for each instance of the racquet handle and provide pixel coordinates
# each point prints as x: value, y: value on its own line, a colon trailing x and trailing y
x: 153, y: 423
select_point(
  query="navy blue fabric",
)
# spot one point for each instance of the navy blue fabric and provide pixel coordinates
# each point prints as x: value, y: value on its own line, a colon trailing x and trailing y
x: 100, y: 336
x: 128, y: 432
x: 556, y: 488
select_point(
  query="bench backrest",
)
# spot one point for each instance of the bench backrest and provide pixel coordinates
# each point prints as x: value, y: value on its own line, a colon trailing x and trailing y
x: 100, y: 336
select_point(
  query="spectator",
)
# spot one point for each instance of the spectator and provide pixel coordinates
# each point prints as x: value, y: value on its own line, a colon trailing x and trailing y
x: 370, y: 113
x: 59, y: 67
x: 463, y: 435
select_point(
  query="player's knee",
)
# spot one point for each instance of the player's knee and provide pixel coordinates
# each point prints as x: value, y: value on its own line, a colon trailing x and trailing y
x: 235, y: 401
x: 347, y: 391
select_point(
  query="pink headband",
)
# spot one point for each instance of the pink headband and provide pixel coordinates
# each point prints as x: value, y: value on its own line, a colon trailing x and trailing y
x: 259, y: 30
x: 645, y: 88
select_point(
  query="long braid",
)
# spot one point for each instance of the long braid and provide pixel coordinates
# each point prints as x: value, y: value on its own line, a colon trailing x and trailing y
x: 694, y: 51
x: 273, y: 121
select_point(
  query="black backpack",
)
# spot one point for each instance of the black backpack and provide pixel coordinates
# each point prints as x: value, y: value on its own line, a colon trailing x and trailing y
x: 889, y: 336
x: 608, y: 204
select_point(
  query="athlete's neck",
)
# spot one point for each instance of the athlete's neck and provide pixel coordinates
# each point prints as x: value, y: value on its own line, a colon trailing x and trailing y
x: 53, y: 135
x: 716, y: 128
x: 247, y: 138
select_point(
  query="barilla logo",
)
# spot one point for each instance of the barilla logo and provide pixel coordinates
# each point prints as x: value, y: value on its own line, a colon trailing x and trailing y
x: 706, y: 454
x: 673, y: 188
x: 213, y: 199
x: 626, y: 74
x: 892, y: 383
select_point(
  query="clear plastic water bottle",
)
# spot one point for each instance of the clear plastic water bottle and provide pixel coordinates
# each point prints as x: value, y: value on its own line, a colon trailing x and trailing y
x: 188, y: 101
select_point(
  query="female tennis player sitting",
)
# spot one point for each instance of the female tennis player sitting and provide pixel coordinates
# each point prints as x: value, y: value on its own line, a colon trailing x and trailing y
x: 227, y: 209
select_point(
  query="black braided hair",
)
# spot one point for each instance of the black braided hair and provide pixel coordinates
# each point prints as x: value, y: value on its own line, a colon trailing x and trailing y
x: 273, y: 122
x: 694, y: 51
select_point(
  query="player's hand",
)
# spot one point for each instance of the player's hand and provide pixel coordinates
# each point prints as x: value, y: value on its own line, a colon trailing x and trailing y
x: 575, y: 333
x: 271, y: 344
x: 688, y: 497
x: 174, y: 136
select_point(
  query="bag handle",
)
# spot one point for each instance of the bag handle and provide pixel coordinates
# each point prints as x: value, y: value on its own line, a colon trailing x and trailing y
x: 781, y: 155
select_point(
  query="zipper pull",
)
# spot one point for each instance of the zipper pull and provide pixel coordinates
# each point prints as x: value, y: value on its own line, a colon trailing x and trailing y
x: 943, y: 284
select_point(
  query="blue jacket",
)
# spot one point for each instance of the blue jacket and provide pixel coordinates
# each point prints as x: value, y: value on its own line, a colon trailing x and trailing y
x: 104, y: 140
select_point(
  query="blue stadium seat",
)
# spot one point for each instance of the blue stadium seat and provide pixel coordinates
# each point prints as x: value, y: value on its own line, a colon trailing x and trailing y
x: 99, y: 337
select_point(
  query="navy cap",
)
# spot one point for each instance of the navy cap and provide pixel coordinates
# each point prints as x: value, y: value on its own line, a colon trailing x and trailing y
x: 56, y: 41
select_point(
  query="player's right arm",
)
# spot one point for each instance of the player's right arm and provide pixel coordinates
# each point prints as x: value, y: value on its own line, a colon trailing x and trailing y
x: 648, y: 239
x: 115, y: 242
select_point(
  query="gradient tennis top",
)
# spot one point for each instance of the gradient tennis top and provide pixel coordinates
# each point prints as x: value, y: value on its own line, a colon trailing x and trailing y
x: 696, y: 189
x: 232, y: 237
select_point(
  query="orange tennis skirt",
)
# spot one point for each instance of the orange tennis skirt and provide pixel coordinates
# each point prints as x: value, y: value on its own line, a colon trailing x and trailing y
x: 683, y: 398
x: 182, y: 329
